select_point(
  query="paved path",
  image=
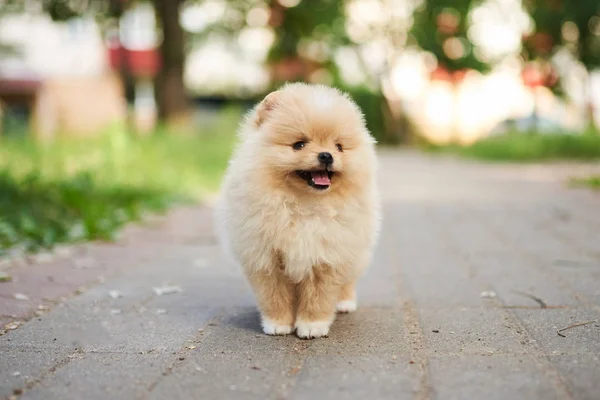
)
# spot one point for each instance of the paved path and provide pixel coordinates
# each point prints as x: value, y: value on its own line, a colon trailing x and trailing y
x: 452, y: 232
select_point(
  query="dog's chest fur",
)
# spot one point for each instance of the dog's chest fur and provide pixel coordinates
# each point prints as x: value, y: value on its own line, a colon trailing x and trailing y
x: 316, y: 235
x: 302, y: 235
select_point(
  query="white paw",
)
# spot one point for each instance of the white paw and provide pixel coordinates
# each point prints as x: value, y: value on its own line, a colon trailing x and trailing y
x: 312, y: 329
x: 272, y: 328
x: 346, y: 306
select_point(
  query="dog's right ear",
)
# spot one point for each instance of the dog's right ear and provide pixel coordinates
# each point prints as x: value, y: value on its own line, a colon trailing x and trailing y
x: 265, y: 107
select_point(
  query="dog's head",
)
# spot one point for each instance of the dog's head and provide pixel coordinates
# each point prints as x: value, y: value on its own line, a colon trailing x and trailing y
x: 312, y: 138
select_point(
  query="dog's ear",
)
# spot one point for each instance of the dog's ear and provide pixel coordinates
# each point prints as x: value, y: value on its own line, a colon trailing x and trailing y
x: 265, y: 107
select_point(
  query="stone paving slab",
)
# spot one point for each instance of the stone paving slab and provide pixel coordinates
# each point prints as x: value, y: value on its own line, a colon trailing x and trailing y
x: 543, y: 325
x: 484, y: 377
x: 97, y: 376
x: 581, y: 374
x: 450, y: 308
x: 356, y: 377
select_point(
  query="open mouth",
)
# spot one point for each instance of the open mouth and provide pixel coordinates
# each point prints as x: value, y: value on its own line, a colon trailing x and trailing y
x: 320, y: 179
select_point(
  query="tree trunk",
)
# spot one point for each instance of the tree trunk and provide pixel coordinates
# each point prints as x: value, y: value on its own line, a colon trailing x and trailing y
x: 128, y: 82
x: 116, y: 9
x: 589, y: 102
x: 170, y: 89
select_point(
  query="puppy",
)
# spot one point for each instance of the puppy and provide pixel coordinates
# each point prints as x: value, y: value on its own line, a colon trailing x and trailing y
x: 300, y: 208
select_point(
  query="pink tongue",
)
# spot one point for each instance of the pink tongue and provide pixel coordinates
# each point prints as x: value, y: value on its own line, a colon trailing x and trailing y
x: 320, y: 178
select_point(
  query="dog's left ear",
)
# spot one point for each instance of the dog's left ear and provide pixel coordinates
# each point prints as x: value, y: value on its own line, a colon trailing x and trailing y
x: 265, y: 107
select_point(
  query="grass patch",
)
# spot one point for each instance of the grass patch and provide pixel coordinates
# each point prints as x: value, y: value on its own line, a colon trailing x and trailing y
x: 592, y: 182
x: 79, y: 190
x: 529, y: 147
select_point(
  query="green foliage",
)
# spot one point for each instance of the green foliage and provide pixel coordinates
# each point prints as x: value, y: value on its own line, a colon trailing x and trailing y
x: 439, y: 22
x: 88, y: 189
x: 63, y: 10
x: 60, y: 10
x: 38, y: 214
x: 531, y: 147
x: 550, y: 17
x: 592, y: 182
x: 372, y: 105
x: 319, y: 21
x: 309, y: 23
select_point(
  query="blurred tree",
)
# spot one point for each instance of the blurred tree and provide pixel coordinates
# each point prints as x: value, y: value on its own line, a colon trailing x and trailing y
x: 441, y: 28
x: 170, y: 91
x: 103, y: 11
x: 307, y: 34
x: 561, y: 24
x: 170, y: 88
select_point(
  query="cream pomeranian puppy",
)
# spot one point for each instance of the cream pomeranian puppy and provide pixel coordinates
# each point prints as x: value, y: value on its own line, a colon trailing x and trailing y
x: 300, y: 208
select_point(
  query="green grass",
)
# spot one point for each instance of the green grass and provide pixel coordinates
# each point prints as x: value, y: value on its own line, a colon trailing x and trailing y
x: 592, y: 182
x: 79, y: 190
x: 529, y: 147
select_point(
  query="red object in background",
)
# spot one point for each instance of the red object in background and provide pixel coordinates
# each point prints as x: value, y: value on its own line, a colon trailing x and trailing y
x: 534, y: 75
x: 459, y: 76
x: 442, y: 74
x: 141, y: 63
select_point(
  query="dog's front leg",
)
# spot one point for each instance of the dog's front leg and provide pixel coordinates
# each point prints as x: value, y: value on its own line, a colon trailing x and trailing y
x: 275, y: 294
x: 317, y: 298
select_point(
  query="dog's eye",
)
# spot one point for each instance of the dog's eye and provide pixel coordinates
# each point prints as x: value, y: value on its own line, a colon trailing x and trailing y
x: 339, y: 147
x: 299, y: 145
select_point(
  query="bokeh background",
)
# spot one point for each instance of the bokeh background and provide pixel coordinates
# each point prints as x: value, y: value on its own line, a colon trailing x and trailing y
x: 110, y: 109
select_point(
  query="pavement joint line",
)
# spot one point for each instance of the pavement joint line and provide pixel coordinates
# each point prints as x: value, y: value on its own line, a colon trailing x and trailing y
x: 52, y: 303
x: 34, y: 349
x: 280, y: 390
x: 498, y: 354
x: 536, y: 262
x: 414, y: 333
x: 18, y: 392
x: 64, y: 300
x: 519, y: 330
x: 415, y: 336
x: 170, y: 367
x: 541, y: 359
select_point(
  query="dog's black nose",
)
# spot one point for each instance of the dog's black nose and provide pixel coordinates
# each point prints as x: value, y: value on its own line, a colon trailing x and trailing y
x: 325, y: 158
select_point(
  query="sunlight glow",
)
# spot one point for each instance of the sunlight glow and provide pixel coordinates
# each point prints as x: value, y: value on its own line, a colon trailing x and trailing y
x: 497, y: 27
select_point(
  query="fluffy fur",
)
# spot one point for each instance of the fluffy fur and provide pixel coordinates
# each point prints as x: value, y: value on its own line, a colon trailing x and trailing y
x: 301, y: 246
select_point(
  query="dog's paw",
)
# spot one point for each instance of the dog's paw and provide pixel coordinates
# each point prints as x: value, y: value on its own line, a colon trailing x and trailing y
x: 273, y: 328
x: 346, y: 306
x: 312, y: 329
